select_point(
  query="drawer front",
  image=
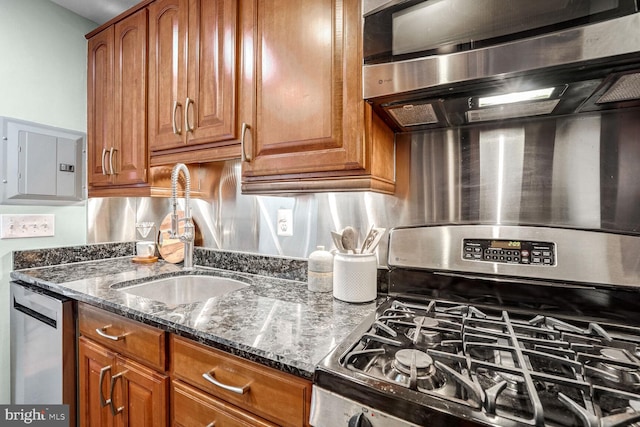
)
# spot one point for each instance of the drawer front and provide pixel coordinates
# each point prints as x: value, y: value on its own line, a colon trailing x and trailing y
x: 191, y: 407
x: 271, y: 394
x: 140, y: 342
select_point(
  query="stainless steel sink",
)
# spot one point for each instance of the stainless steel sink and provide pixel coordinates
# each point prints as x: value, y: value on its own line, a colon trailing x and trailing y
x: 184, y: 289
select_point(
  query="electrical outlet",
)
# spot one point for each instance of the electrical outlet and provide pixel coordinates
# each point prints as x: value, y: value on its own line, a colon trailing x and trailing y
x: 23, y: 226
x: 284, y: 223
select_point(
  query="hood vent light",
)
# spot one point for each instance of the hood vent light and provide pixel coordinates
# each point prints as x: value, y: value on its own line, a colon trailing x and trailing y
x: 626, y: 88
x: 529, y: 103
x: 525, y: 109
x: 414, y: 115
x: 510, y: 98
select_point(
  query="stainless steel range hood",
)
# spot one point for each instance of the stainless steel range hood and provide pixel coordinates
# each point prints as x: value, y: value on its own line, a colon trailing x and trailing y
x: 587, y: 68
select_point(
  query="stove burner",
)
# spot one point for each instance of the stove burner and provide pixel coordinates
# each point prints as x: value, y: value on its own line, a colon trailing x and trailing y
x: 423, y: 333
x: 414, y: 369
x: 620, y: 367
x: 407, y: 358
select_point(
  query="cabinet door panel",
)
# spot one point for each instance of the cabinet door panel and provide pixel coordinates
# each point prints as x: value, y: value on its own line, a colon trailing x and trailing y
x: 131, y: 99
x: 212, y: 56
x: 91, y: 361
x: 143, y: 397
x: 100, y: 104
x: 301, y: 90
x: 168, y: 22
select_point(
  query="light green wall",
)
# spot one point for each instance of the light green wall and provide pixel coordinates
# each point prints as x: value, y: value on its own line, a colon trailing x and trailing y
x: 43, y: 78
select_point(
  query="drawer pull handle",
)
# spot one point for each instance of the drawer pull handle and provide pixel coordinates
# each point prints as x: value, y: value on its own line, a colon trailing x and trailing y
x: 103, y: 333
x: 103, y: 371
x: 238, y: 390
x: 211, y: 424
x: 114, y: 378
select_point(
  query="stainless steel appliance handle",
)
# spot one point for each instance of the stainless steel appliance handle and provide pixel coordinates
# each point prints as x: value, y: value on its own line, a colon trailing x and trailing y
x: 102, y: 333
x: 103, y: 371
x: 238, y: 390
x: 34, y: 314
x: 243, y: 131
x: 104, y: 167
x: 187, y: 102
x: 115, y: 411
x: 173, y: 119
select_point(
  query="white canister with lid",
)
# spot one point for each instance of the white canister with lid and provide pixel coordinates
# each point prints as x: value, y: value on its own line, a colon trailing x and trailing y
x: 355, y: 277
x: 320, y: 271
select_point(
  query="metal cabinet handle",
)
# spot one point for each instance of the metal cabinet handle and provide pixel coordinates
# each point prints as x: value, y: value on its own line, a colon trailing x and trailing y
x: 104, y: 167
x: 187, y: 127
x: 102, y: 333
x: 115, y: 411
x: 103, y: 371
x: 238, y: 390
x: 245, y: 157
x: 173, y: 119
x: 111, y: 169
x: 211, y: 424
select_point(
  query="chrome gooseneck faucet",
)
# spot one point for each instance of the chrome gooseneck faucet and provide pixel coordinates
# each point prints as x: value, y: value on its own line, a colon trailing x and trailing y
x: 188, y: 236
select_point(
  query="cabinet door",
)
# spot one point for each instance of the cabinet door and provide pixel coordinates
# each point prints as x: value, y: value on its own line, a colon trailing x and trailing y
x: 310, y: 129
x: 100, y: 105
x: 211, y: 69
x: 168, y: 26
x: 140, y: 396
x: 300, y: 88
x: 129, y: 162
x: 96, y: 365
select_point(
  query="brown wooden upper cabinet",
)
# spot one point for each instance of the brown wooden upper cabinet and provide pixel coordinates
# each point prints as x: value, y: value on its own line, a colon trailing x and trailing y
x: 278, y: 82
x: 192, y: 80
x: 117, y: 104
x: 305, y: 126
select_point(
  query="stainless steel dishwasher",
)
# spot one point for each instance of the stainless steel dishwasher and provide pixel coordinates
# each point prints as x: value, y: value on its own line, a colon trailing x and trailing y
x: 43, y: 347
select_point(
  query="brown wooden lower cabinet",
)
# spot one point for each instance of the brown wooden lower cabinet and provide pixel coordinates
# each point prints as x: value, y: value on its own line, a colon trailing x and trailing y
x: 276, y: 396
x: 117, y: 391
x: 191, y: 407
x: 123, y: 380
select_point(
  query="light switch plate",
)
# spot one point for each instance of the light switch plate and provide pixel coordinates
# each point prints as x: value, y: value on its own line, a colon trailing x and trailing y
x: 25, y: 226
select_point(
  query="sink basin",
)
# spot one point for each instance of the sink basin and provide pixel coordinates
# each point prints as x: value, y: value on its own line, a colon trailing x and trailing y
x: 184, y: 289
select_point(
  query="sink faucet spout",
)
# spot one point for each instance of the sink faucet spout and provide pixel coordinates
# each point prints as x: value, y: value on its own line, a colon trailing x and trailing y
x: 188, y: 235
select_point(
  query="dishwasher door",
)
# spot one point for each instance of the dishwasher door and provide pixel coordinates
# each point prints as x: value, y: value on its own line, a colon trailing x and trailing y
x: 43, y: 349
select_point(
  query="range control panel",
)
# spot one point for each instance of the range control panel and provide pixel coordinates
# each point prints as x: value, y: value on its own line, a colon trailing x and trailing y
x: 509, y: 251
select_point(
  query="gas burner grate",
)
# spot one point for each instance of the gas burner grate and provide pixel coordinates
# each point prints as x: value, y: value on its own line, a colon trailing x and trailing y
x: 536, y: 370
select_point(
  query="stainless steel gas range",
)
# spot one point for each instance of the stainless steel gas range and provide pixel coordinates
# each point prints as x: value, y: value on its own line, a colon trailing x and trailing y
x: 494, y: 325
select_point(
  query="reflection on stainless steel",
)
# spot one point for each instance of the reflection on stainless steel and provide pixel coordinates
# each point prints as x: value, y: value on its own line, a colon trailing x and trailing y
x: 112, y: 219
x: 188, y: 235
x: 574, y: 172
x: 576, y: 45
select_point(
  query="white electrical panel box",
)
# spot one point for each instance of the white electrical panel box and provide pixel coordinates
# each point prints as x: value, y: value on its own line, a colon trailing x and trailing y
x: 41, y: 164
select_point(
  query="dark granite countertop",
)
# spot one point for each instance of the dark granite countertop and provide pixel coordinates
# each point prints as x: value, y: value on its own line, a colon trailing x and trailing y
x: 274, y: 321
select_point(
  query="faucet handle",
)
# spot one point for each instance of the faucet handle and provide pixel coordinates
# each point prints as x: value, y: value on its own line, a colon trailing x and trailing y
x: 188, y: 234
